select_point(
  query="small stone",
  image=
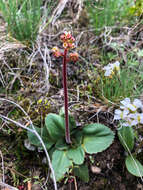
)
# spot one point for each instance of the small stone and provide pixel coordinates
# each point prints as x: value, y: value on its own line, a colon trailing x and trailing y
x: 28, y: 145
x: 36, y: 187
x: 95, y: 169
x: 139, y: 187
x: 44, y: 161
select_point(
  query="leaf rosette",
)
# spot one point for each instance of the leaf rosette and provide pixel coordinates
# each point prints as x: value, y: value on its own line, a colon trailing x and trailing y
x: 90, y: 139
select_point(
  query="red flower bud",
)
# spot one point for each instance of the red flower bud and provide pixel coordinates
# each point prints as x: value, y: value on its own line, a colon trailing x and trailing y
x: 72, y: 39
x: 63, y: 37
x: 73, y: 57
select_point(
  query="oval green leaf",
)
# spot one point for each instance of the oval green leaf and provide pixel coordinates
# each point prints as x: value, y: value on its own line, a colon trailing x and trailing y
x: 33, y: 138
x: 44, y: 135
x: 97, y: 137
x: 82, y: 172
x: 61, y: 164
x: 76, y: 155
x: 134, y: 166
x: 55, y: 126
x: 61, y: 144
x: 126, y: 137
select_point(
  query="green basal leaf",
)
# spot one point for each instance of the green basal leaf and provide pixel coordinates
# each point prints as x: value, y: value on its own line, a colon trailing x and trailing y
x: 33, y: 138
x: 76, y: 155
x: 126, y: 137
x: 82, y: 172
x: 76, y: 137
x: 61, y: 144
x: 60, y: 163
x: 134, y: 166
x: 55, y: 126
x: 72, y: 122
x: 45, y: 137
x: 97, y: 137
x: 51, y: 151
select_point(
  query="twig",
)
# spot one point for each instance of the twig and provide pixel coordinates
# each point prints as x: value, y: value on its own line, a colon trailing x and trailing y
x: 2, y: 78
x: 16, y: 123
x: 16, y: 172
x: 75, y: 183
x: 7, y: 186
x: 58, y: 10
x: 29, y: 185
x: 31, y: 58
x: 44, y: 185
x: 2, y: 163
x: 80, y: 3
x: 46, y: 67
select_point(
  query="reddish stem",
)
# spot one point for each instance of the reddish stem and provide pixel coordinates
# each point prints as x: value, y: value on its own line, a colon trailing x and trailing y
x: 67, y: 130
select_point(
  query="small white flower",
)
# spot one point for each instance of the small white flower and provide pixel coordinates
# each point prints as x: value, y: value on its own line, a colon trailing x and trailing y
x: 126, y: 101
x: 121, y: 114
x: 128, y: 105
x: 108, y: 73
x: 116, y: 66
x: 137, y: 103
x: 117, y: 115
x: 108, y: 70
x: 131, y: 107
x: 137, y: 118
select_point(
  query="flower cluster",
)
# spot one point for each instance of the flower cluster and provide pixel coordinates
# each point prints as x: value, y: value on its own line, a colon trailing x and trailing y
x: 68, y: 43
x: 128, y: 112
x: 110, y: 69
x: 68, y: 40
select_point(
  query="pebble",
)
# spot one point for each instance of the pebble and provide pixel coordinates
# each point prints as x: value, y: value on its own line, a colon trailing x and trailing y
x: 95, y: 169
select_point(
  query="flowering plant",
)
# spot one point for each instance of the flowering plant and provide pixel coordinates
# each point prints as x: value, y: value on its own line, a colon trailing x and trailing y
x: 67, y: 143
x: 68, y: 44
x: 112, y: 83
x: 130, y: 115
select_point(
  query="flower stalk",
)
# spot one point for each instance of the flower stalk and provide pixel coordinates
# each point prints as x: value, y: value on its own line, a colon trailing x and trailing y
x: 68, y: 44
x: 67, y: 130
